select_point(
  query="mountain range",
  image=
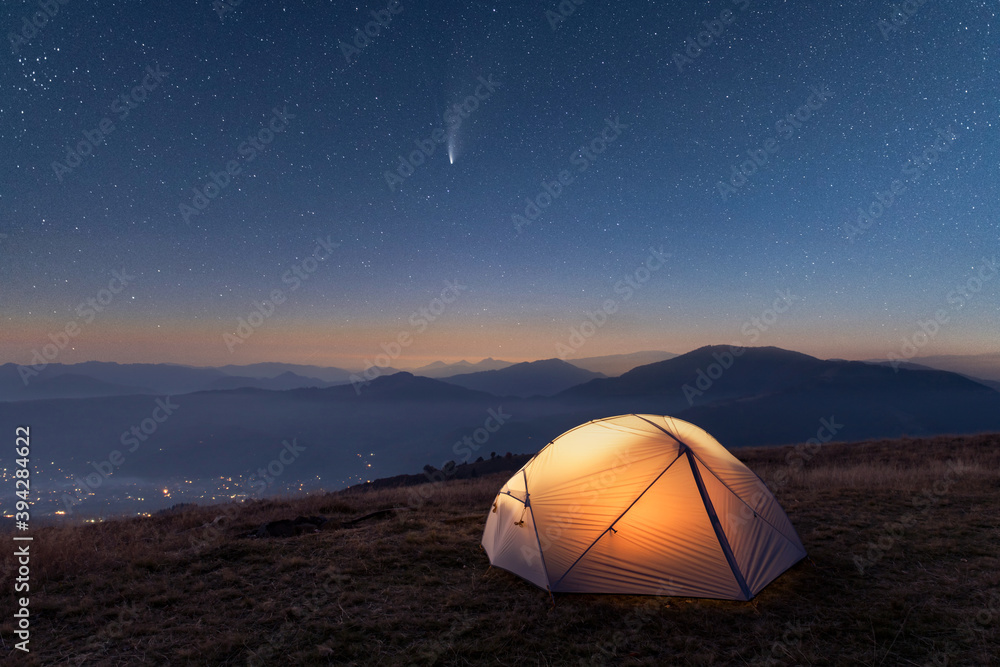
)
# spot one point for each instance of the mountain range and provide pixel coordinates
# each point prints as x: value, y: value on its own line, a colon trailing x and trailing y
x: 614, y: 365
x: 530, y: 378
x: 439, y: 369
x: 986, y: 366
x: 400, y: 422
x: 98, y: 378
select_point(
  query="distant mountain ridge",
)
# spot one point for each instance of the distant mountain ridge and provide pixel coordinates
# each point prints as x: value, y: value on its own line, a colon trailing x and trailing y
x: 74, y: 385
x: 741, y: 371
x: 749, y: 396
x: 409, y: 387
x: 992, y: 384
x: 109, y: 378
x: 271, y: 369
x: 616, y: 364
x: 286, y: 380
x: 530, y: 378
x: 397, y: 423
x: 439, y: 369
x: 127, y: 379
x: 101, y: 378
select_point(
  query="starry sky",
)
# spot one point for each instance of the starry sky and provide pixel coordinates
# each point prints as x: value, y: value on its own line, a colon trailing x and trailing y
x: 669, y: 101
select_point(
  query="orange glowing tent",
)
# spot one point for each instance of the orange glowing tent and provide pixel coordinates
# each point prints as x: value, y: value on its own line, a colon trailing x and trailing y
x: 640, y: 504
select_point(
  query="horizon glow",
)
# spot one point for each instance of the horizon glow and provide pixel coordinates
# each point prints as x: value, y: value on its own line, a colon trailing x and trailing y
x: 801, y: 151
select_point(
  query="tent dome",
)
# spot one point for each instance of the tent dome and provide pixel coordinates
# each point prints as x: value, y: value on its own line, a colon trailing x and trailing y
x: 640, y: 504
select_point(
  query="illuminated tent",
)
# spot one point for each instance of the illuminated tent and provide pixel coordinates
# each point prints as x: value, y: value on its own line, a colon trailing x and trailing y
x: 640, y: 504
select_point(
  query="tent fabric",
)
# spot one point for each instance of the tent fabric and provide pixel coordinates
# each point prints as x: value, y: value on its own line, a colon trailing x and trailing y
x: 640, y: 504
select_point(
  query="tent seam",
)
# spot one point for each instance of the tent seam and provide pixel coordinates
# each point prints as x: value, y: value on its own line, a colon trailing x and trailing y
x: 534, y: 524
x: 720, y: 534
x: 592, y: 421
x: 655, y: 425
x: 737, y: 496
x: 604, y: 532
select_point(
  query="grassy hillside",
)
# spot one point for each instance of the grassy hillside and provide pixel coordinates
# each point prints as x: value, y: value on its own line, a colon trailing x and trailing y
x: 903, y: 569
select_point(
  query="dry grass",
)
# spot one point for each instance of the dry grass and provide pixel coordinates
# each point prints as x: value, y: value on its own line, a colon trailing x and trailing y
x: 416, y: 588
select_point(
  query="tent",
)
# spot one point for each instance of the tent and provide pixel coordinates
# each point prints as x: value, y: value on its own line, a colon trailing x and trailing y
x: 644, y: 505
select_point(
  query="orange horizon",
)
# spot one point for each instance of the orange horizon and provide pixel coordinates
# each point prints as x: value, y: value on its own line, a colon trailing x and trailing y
x: 356, y: 346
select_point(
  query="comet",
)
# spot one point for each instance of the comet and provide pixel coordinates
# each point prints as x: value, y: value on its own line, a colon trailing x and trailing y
x: 452, y: 143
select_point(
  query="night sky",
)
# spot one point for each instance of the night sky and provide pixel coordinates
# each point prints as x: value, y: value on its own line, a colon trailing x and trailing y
x: 669, y: 131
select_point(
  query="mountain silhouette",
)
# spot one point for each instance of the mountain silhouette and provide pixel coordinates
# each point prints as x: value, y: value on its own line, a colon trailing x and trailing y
x: 614, y: 365
x: 59, y: 384
x: 768, y: 395
x: 272, y: 369
x: 727, y: 371
x: 439, y: 369
x: 286, y: 380
x: 398, y: 423
x: 530, y: 378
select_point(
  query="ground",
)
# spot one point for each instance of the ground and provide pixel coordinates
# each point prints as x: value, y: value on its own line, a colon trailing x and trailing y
x: 903, y: 569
